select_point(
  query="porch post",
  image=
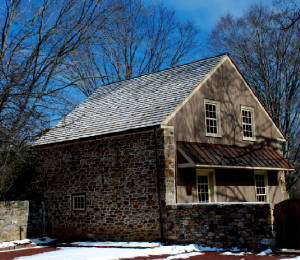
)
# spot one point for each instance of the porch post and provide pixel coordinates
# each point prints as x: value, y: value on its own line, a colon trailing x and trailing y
x: 282, y: 183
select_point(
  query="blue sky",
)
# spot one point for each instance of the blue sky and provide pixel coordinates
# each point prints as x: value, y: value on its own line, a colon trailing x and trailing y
x: 206, y: 13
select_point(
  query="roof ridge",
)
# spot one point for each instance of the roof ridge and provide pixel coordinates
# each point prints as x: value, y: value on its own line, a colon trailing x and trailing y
x: 168, y: 68
x: 131, y: 104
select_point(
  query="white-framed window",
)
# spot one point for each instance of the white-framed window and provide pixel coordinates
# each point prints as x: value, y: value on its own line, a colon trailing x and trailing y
x: 248, y: 126
x: 205, y: 185
x: 212, y: 118
x: 78, y: 201
x: 261, y: 186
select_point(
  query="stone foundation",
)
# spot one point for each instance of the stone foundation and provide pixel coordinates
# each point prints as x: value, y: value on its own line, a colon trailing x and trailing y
x: 219, y: 225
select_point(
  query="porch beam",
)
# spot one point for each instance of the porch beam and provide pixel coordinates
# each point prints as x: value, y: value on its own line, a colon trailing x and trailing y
x: 193, y: 165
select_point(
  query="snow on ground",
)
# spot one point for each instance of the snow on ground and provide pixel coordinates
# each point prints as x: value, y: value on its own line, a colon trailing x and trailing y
x: 220, y: 203
x: 42, y: 240
x: 116, y: 250
x: 14, y: 243
x: 96, y: 253
x: 118, y: 244
x: 235, y: 249
x: 210, y: 249
x: 294, y: 258
x: 266, y: 252
x: 231, y: 253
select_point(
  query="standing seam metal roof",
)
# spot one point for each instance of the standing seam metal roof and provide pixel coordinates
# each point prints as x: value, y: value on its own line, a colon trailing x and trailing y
x: 130, y: 104
x: 231, y: 155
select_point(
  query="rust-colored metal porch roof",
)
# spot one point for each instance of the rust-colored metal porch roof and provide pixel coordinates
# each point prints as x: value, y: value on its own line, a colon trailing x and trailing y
x: 218, y: 155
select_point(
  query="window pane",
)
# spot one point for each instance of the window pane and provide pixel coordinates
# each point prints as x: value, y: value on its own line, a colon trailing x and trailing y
x: 211, y: 118
x: 261, y: 190
x: 78, y: 202
x: 203, y: 194
x: 247, y: 123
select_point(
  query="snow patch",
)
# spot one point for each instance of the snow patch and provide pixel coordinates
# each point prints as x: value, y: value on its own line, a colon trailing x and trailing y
x: 210, y: 249
x: 234, y: 249
x: 118, y: 244
x: 42, y: 240
x: 231, y: 253
x: 96, y: 253
x: 266, y: 252
x: 14, y: 243
x: 220, y: 203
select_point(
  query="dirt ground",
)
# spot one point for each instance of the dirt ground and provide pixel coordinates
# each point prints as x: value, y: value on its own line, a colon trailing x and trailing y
x: 207, y: 256
x: 8, y: 255
x: 218, y: 256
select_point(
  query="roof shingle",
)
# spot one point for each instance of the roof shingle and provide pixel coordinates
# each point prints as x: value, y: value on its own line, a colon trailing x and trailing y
x: 130, y: 104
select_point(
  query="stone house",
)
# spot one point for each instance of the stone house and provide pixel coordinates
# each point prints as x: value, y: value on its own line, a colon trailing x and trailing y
x: 186, y: 154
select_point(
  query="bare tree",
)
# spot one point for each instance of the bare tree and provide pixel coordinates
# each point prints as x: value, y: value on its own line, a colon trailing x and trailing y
x: 269, y: 58
x: 36, y: 40
x: 292, y: 13
x: 140, y: 38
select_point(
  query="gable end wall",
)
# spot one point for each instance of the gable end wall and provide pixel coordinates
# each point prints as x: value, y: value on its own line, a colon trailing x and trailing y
x: 226, y: 86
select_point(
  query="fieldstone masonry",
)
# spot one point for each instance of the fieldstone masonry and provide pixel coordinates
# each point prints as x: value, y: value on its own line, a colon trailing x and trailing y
x: 20, y: 219
x: 129, y: 185
x: 220, y: 225
x: 118, y: 176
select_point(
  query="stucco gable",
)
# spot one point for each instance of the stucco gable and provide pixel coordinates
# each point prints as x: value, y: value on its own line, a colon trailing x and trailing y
x: 226, y: 85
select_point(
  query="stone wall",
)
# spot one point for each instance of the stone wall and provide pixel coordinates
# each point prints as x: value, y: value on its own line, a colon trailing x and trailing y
x: 118, y: 176
x: 219, y: 225
x: 166, y: 151
x: 20, y: 219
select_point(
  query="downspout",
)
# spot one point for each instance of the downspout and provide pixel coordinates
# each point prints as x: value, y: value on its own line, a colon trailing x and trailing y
x: 162, y: 237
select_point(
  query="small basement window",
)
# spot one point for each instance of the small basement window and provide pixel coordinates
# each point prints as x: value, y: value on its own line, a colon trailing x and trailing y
x: 248, y: 123
x: 78, y: 202
x: 212, y: 118
x: 261, y: 180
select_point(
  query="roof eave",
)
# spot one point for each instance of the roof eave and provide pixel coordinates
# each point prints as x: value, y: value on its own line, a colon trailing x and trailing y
x: 95, y: 137
x: 194, y: 165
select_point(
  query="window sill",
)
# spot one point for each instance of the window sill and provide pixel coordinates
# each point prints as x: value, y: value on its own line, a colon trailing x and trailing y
x: 252, y: 139
x: 213, y: 135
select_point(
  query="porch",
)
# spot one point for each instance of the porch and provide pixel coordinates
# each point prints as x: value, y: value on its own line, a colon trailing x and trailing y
x: 208, y: 173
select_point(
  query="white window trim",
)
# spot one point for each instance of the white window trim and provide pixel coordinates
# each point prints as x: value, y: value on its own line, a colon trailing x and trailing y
x: 73, y: 201
x: 265, y: 173
x: 211, y: 192
x: 245, y: 138
x: 217, y: 104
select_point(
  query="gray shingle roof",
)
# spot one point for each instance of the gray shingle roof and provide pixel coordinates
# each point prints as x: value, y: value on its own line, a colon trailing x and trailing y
x: 130, y: 104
